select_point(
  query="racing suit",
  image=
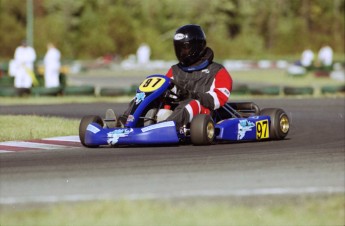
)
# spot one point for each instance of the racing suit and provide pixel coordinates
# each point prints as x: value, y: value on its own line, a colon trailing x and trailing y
x: 208, y: 83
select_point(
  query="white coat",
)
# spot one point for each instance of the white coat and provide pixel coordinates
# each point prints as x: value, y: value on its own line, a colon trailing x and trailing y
x: 143, y: 54
x: 307, y: 58
x: 325, y: 56
x: 52, y: 67
x: 24, y: 58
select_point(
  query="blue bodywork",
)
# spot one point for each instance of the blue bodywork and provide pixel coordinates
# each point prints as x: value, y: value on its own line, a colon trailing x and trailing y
x: 237, y: 129
x: 228, y: 129
x: 160, y: 133
x: 143, y: 99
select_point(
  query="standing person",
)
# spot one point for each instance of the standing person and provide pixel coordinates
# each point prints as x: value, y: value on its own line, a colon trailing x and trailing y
x: 24, y: 58
x: 52, y: 66
x: 325, y: 57
x: 202, y: 84
x: 307, y: 59
x: 143, y: 54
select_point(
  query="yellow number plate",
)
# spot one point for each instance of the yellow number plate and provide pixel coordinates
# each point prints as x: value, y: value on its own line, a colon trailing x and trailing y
x: 151, y: 84
x: 262, y: 129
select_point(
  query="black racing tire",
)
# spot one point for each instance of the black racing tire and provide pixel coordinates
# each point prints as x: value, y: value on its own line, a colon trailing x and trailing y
x: 202, y: 130
x: 85, y: 121
x: 280, y: 123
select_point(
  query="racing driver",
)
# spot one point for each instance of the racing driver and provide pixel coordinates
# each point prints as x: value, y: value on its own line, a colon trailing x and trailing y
x: 202, y: 84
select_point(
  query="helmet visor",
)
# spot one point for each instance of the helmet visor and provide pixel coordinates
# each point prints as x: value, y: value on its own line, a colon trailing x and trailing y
x: 185, y: 52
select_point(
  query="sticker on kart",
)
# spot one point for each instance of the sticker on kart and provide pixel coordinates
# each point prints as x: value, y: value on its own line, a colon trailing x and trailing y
x: 262, y: 129
x: 151, y: 84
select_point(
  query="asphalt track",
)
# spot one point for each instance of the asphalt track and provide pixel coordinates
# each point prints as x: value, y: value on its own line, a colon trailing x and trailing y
x: 310, y: 161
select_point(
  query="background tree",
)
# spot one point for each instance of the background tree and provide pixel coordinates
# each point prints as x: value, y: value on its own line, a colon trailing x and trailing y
x: 86, y: 29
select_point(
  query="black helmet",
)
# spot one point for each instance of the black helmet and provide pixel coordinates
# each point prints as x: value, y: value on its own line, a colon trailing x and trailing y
x: 189, y: 43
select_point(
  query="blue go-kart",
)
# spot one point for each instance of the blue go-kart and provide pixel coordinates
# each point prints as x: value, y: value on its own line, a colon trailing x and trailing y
x: 147, y: 124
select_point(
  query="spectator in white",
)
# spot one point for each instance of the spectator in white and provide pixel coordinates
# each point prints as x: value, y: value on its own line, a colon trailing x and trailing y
x: 52, y: 66
x: 24, y: 58
x: 325, y: 56
x: 307, y: 58
x: 143, y: 54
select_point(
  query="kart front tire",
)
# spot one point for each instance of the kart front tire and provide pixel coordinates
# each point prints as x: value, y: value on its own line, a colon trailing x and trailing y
x: 280, y: 123
x: 202, y: 130
x: 85, y: 121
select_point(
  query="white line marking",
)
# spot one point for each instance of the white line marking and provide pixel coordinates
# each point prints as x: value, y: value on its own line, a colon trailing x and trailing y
x: 26, y: 144
x: 4, y: 151
x: 66, y: 138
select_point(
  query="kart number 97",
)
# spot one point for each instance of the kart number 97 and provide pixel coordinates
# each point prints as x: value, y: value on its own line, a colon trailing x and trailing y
x: 151, y: 84
x: 262, y: 129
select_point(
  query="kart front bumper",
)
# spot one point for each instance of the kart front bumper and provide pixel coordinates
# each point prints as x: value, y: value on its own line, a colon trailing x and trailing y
x: 160, y: 133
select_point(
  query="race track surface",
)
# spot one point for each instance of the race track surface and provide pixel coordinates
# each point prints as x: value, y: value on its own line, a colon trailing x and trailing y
x: 310, y: 160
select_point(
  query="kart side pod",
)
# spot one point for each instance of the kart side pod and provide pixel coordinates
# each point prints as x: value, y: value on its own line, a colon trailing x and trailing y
x: 272, y: 124
x: 243, y: 129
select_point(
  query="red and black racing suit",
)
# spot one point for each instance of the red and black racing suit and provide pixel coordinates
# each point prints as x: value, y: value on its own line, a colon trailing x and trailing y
x: 209, y: 82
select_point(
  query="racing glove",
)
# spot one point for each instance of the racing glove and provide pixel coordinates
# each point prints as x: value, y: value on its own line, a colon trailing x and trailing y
x: 183, y: 93
x: 186, y: 94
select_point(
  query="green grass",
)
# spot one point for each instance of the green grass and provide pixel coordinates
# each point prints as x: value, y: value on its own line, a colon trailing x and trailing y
x: 21, y: 127
x: 277, y: 211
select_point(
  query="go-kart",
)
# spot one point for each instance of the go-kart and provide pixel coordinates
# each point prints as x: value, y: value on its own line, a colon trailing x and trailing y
x: 155, y: 100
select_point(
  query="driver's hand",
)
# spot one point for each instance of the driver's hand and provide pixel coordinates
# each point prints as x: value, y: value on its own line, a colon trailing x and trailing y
x: 183, y: 93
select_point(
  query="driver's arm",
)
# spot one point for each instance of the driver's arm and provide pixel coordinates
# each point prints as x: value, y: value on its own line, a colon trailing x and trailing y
x: 219, y: 92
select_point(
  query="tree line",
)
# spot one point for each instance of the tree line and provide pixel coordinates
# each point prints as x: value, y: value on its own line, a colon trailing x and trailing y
x: 87, y: 29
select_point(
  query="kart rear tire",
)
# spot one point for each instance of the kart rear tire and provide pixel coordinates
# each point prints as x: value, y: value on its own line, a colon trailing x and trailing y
x: 280, y: 123
x: 85, y: 121
x: 202, y: 130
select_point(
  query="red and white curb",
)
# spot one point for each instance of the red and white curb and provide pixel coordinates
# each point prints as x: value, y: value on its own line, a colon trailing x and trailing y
x: 65, y: 142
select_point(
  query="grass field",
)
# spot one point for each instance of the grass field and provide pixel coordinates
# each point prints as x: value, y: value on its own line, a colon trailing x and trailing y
x: 19, y: 127
x: 267, y: 211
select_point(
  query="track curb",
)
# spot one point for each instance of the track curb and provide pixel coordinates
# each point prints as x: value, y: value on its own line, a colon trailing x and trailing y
x: 65, y: 142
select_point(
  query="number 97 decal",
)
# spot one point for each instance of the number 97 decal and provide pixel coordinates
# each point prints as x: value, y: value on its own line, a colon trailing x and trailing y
x: 151, y: 84
x: 262, y: 129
